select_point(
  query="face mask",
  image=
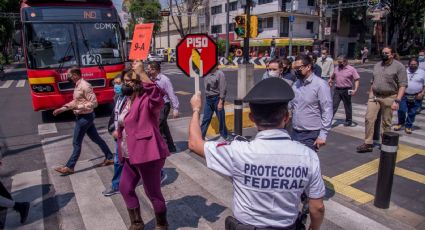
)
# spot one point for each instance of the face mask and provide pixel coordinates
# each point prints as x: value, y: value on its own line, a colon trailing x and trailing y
x: 384, y: 57
x: 413, y: 69
x: 118, y: 89
x: 341, y: 66
x: 323, y: 56
x: 127, y: 90
x: 299, y: 75
x: 273, y: 74
x: 421, y: 58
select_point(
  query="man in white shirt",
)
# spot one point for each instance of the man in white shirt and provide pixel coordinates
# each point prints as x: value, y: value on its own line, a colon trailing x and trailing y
x: 326, y: 63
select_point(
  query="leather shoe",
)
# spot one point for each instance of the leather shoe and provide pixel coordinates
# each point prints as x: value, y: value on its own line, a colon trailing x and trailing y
x: 64, y: 170
x: 106, y: 163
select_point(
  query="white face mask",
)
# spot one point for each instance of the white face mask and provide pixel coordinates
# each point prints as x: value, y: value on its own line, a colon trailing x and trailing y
x: 274, y: 73
x: 323, y: 56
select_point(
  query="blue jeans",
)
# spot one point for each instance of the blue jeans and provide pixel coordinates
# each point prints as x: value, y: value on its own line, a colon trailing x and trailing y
x: 306, y: 137
x: 117, y: 170
x: 209, y: 108
x: 409, y: 108
x: 84, y: 124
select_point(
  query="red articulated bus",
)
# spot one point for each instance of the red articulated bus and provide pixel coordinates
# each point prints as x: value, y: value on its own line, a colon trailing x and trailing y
x: 61, y: 34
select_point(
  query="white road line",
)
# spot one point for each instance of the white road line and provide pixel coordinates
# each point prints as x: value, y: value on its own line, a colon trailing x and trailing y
x: 47, y: 128
x: 7, y: 84
x: 350, y: 219
x: 21, y: 83
x: 27, y: 186
x: 97, y: 211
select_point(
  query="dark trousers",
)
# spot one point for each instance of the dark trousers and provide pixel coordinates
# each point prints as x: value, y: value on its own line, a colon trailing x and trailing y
x: 84, y: 124
x: 209, y: 109
x: 409, y: 108
x: 306, y: 137
x: 163, y: 127
x: 342, y: 94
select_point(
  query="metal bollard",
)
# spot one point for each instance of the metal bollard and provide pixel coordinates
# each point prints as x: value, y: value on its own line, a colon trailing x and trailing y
x: 238, y: 117
x: 386, y: 169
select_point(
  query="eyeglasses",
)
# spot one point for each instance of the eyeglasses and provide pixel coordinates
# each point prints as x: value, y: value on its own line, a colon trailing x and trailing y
x: 299, y: 68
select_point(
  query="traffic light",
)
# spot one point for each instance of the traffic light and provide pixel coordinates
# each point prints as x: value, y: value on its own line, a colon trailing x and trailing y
x: 240, y: 27
x: 253, y: 32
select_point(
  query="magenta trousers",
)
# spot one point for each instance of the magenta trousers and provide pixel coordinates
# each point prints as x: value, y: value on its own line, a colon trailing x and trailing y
x: 150, y: 173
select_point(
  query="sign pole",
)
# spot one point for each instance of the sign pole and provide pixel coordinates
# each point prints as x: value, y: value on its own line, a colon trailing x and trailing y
x: 197, y: 84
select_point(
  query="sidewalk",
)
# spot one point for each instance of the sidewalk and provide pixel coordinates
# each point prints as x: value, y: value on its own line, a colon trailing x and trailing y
x: 349, y: 204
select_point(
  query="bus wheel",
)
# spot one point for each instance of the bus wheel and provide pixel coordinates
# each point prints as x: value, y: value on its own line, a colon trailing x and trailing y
x: 47, y: 116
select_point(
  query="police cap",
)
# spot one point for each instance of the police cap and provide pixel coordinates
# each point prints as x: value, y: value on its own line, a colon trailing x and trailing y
x: 270, y: 90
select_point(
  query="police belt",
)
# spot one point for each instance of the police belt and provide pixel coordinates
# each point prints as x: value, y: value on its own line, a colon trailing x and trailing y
x: 233, y: 224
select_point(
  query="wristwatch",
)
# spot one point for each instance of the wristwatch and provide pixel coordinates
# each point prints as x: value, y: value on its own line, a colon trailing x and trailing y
x: 397, y: 101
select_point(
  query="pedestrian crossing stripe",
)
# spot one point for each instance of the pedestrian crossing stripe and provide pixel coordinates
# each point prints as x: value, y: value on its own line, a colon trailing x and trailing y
x: 21, y: 83
x: 9, y: 83
x: 184, y: 93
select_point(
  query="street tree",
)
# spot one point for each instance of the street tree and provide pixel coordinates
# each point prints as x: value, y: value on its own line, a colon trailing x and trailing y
x: 405, y: 24
x: 184, y: 9
x: 7, y: 26
x: 145, y: 11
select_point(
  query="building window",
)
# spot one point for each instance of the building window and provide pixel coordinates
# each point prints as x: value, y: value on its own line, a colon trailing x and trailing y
x: 232, y: 6
x: 310, y: 26
x: 216, y: 29
x: 232, y: 27
x: 216, y: 10
x: 260, y: 2
x: 310, y: 3
x: 264, y: 23
x: 284, y: 27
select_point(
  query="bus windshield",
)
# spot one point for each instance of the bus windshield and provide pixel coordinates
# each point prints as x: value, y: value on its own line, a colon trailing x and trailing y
x: 56, y: 45
x: 50, y: 45
x: 99, y: 43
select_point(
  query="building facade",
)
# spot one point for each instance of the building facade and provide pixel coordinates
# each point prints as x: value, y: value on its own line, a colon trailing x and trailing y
x: 273, y: 20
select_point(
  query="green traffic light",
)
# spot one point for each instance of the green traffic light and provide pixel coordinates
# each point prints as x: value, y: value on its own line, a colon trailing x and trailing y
x: 239, y: 31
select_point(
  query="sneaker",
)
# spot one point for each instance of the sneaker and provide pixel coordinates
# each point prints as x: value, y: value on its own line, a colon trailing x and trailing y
x: 110, y: 192
x: 163, y: 176
x: 64, y: 170
x: 408, y: 130
x: 397, y: 127
x: 365, y: 148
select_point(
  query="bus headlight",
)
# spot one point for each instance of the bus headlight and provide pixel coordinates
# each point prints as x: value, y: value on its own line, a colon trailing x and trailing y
x: 42, y: 88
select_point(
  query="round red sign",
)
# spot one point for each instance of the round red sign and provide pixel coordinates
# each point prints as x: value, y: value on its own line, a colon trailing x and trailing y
x: 197, y: 55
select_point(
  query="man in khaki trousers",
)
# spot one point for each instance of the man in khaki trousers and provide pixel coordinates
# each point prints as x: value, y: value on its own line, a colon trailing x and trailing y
x: 388, y: 86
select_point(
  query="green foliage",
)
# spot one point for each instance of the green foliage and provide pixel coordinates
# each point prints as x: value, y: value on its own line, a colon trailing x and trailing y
x: 6, y: 24
x: 148, y: 10
x: 221, y: 44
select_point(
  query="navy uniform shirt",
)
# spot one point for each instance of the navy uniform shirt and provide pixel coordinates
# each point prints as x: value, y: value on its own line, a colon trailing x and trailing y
x: 269, y: 176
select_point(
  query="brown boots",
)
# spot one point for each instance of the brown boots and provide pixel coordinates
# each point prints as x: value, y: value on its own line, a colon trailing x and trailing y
x: 161, y: 221
x: 136, y: 219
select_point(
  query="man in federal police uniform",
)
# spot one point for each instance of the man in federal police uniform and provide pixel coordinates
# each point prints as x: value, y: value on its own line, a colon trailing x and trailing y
x: 271, y: 172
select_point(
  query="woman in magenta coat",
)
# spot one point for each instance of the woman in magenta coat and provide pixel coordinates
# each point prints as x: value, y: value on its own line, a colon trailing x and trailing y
x: 141, y: 147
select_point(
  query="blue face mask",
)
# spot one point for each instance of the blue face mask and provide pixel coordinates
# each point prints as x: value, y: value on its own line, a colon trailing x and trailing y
x: 117, y: 89
x: 421, y: 58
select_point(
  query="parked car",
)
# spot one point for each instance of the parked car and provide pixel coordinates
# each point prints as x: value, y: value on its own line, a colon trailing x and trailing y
x: 155, y: 57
